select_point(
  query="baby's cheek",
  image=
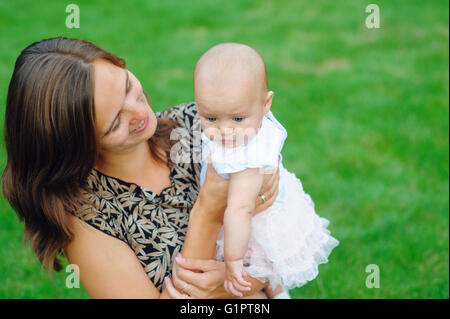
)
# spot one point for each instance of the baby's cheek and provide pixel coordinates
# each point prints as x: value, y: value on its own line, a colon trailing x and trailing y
x: 246, y: 133
x: 211, y: 132
x: 204, y: 126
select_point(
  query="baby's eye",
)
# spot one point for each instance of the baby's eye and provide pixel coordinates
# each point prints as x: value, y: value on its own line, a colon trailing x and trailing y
x: 211, y: 119
x: 238, y: 119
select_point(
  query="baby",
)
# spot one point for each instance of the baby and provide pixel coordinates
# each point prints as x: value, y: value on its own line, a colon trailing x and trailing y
x: 284, y: 244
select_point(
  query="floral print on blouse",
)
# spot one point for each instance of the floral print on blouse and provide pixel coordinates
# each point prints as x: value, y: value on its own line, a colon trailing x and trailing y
x: 153, y: 225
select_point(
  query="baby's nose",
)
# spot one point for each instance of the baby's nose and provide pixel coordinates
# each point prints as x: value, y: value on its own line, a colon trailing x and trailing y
x: 226, y: 130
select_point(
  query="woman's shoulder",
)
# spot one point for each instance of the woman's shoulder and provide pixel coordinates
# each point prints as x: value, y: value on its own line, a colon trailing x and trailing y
x: 185, y: 113
x: 98, y: 206
x: 97, y: 219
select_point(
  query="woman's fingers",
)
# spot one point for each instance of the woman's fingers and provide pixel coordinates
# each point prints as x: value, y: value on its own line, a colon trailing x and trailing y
x: 173, y: 292
x: 269, y: 190
x: 274, y: 182
x: 189, y: 276
x: 178, y: 282
x: 270, y: 180
x: 240, y: 287
x: 270, y: 200
x: 264, y: 205
x: 196, y: 264
x: 197, y: 283
x: 186, y: 288
x: 183, y: 278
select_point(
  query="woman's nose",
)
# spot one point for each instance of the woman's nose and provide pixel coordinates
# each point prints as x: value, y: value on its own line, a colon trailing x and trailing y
x: 134, y: 121
x: 136, y: 114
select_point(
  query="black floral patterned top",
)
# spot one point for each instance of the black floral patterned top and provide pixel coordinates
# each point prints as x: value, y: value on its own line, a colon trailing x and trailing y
x: 153, y: 225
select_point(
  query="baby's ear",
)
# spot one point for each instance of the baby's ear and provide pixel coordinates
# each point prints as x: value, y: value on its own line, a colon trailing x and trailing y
x: 268, y: 101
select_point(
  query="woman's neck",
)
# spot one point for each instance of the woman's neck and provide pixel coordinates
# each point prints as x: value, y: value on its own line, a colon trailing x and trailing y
x: 128, y: 165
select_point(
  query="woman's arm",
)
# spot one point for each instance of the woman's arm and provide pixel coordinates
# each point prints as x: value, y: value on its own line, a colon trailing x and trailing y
x: 203, y: 275
x: 243, y: 190
x: 108, y: 267
x: 206, y: 217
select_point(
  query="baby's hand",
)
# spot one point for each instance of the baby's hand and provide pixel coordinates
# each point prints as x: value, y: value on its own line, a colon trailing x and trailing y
x: 234, y: 278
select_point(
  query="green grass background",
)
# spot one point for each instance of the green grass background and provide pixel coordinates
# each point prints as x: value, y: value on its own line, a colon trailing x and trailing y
x: 366, y: 112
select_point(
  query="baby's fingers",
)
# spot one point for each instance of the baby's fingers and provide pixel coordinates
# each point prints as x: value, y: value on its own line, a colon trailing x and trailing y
x: 230, y: 289
x: 240, y: 279
x: 233, y: 290
x: 225, y: 285
x: 240, y: 287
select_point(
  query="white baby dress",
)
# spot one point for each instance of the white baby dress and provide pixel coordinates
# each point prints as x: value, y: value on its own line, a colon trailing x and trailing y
x: 288, y: 240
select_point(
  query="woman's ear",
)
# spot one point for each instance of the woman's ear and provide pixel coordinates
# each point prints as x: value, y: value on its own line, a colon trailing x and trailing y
x: 268, y: 101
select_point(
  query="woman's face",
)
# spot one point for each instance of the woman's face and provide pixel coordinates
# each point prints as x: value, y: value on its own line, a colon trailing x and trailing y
x: 123, y: 117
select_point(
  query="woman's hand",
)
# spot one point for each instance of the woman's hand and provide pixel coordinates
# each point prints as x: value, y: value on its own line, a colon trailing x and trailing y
x: 205, y: 275
x: 204, y: 279
x: 269, y: 189
x: 196, y: 278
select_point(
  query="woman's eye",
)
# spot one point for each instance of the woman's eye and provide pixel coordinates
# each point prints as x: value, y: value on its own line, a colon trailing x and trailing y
x: 211, y: 119
x: 117, y: 125
x: 130, y: 85
x: 238, y: 119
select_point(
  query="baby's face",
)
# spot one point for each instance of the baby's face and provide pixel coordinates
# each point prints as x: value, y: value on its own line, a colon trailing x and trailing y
x: 230, y: 117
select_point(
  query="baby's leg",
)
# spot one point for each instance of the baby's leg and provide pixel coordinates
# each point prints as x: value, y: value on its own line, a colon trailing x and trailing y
x: 273, y: 292
x: 268, y: 293
x: 257, y: 295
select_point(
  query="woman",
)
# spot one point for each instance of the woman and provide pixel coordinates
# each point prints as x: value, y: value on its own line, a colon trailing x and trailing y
x: 90, y: 173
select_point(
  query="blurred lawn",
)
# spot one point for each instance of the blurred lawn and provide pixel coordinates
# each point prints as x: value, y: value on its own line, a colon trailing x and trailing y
x: 366, y: 112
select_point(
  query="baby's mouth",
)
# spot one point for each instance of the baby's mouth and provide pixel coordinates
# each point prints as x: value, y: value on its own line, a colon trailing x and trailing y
x: 228, y: 142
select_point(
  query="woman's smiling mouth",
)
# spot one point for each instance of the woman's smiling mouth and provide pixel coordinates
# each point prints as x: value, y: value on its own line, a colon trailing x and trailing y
x: 141, y: 126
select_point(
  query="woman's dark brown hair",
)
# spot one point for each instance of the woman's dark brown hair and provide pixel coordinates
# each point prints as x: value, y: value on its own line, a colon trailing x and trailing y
x: 50, y: 139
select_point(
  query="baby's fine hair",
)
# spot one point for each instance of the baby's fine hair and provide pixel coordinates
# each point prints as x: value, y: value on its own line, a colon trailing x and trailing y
x: 231, y: 57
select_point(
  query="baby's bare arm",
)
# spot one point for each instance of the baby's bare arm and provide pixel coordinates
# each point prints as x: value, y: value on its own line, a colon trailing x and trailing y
x: 243, y: 189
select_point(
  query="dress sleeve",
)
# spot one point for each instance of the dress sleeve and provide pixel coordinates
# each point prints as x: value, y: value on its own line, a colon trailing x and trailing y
x: 263, y: 151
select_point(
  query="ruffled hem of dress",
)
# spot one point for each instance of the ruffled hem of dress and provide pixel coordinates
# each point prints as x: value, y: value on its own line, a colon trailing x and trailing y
x: 289, y: 242
x: 299, y: 268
